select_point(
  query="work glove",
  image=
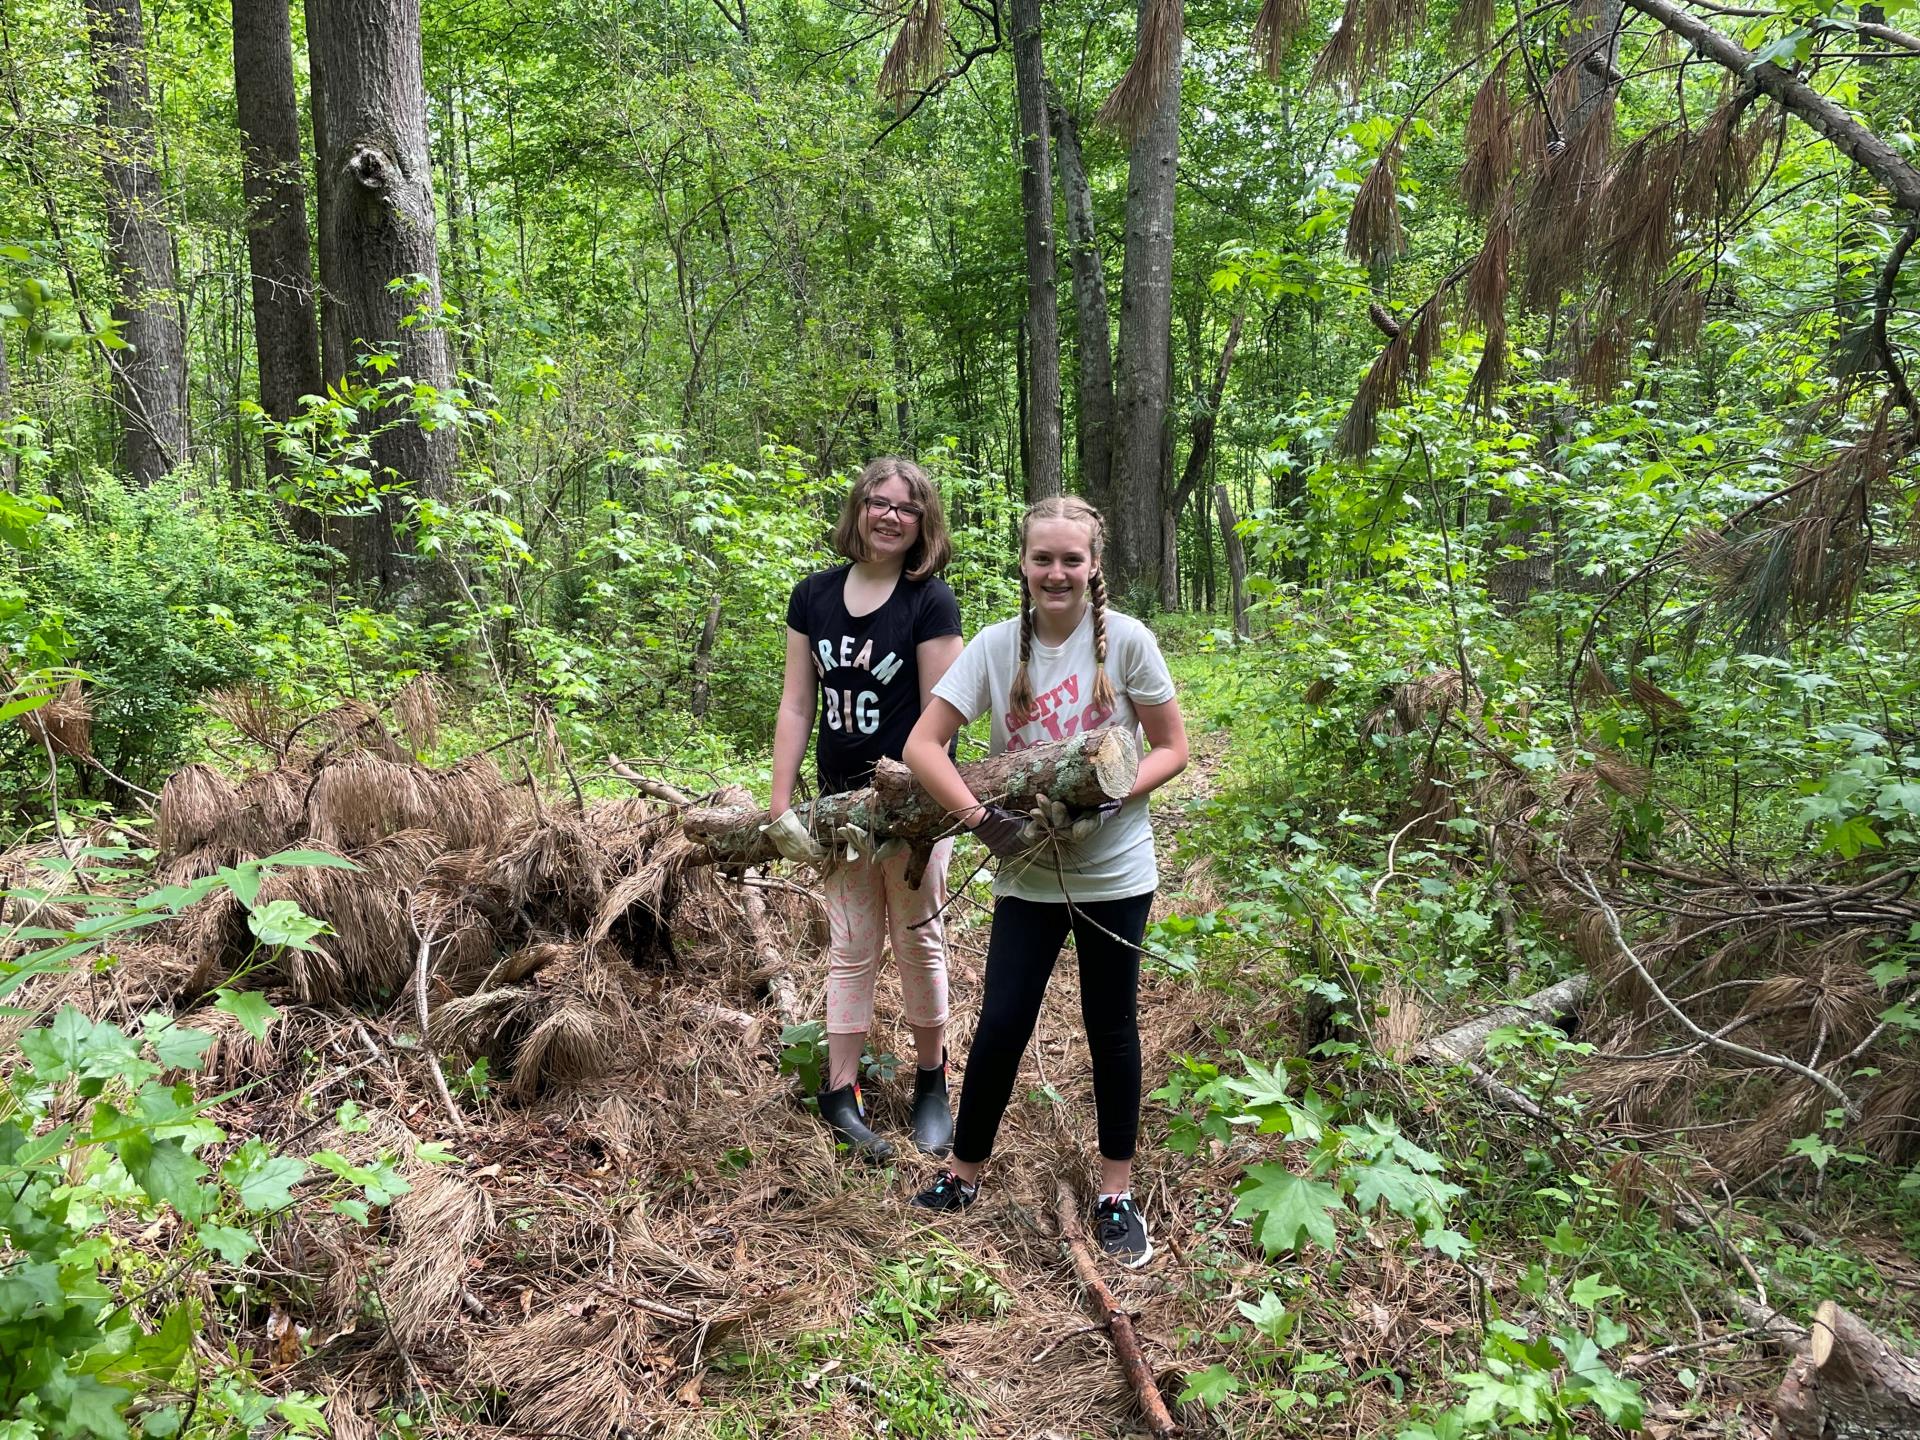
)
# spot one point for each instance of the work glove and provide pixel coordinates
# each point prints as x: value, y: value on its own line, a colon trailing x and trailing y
x: 860, y: 844
x: 1002, y: 832
x: 790, y: 838
x: 1051, y: 820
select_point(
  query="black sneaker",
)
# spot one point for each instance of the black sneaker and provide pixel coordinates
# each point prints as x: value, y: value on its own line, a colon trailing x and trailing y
x: 1121, y: 1232
x: 847, y: 1118
x: 949, y: 1193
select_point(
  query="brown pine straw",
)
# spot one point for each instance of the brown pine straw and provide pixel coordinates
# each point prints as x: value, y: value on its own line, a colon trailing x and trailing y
x: 1156, y: 64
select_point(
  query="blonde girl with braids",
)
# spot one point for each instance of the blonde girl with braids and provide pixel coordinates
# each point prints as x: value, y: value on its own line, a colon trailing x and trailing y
x: 1065, y: 665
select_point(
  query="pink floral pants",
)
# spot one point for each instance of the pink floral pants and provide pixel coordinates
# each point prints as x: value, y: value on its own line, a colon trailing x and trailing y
x: 864, y: 902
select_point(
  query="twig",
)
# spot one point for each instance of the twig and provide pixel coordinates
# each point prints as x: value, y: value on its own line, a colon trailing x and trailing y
x: 1114, y: 1320
x: 658, y: 789
x: 1761, y: 1057
x: 1667, y: 1352
x: 1054, y: 1345
x: 422, y: 966
x: 654, y: 1307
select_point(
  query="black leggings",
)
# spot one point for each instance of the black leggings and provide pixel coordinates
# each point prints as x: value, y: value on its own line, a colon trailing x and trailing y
x: 1027, y: 936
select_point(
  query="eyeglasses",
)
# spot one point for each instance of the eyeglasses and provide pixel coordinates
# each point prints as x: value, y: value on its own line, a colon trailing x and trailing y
x: 878, y: 506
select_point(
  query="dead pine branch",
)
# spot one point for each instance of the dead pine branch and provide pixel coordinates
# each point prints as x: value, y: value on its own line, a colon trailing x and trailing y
x: 1584, y: 882
x: 1117, y: 1323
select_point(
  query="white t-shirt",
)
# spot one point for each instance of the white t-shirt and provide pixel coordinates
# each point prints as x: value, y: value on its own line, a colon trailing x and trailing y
x: 1116, y: 860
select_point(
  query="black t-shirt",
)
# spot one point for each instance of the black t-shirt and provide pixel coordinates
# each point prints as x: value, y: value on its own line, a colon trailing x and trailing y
x: 868, y: 667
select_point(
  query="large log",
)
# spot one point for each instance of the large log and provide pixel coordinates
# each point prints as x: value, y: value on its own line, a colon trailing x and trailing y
x: 1083, y: 772
x: 1850, y: 1385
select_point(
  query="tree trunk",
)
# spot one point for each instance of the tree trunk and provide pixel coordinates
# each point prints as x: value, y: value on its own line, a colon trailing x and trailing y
x: 703, y: 661
x: 285, y: 332
x: 1143, y: 375
x: 1850, y: 1385
x: 1236, y: 559
x: 1205, y: 422
x: 1093, y: 412
x: 377, y: 225
x: 1083, y: 772
x: 1043, y: 304
x: 1465, y: 1042
x: 149, y: 377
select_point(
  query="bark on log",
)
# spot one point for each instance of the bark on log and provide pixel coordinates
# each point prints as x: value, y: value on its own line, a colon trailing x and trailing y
x: 1083, y: 772
x: 1117, y: 1323
x: 1465, y: 1042
x: 1850, y: 1385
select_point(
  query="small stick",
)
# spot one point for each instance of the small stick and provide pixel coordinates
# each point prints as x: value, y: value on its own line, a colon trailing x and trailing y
x: 1048, y: 1349
x: 658, y: 789
x: 1115, y: 1321
x: 421, y: 968
x: 654, y: 1307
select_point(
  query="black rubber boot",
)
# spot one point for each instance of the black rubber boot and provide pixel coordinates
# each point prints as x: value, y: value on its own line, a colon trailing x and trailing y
x: 932, y: 1116
x: 845, y: 1116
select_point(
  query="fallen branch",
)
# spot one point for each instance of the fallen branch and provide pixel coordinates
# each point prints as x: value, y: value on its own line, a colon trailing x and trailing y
x: 1464, y: 1043
x: 779, y: 977
x: 1586, y: 884
x: 1115, y: 1321
x: 658, y: 789
x: 1084, y: 772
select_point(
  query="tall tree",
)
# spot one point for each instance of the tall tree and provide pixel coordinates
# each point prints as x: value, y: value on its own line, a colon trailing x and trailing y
x: 150, y: 376
x: 1146, y: 105
x: 1093, y: 413
x: 1042, y: 331
x: 285, y: 334
x: 377, y: 226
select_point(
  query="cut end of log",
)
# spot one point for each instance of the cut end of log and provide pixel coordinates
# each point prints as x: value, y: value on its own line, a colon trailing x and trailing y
x: 1116, y: 762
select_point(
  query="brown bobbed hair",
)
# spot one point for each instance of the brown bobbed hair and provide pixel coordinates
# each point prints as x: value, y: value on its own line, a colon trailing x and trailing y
x: 933, y: 547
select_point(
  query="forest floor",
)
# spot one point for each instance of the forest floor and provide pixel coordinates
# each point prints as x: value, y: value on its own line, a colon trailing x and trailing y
x: 648, y: 1233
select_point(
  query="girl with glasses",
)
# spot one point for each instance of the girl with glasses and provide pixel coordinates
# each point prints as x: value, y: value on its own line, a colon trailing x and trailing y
x: 866, y: 642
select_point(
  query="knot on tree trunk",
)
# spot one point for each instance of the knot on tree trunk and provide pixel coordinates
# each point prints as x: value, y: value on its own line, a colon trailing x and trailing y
x: 373, y: 169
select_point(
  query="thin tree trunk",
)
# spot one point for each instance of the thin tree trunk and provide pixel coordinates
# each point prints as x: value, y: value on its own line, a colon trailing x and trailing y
x: 1205, y: 423
x: 6, y: 413
x: 1236, y: 558
x: 1043, y: 303
x: 285, y: 332
x: 1093, y: 411
x: 1143, y: 372
x: 150, y: 377
x: 377, y: 226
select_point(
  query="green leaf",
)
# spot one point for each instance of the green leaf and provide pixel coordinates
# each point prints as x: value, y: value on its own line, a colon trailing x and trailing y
x: 284, y: 924
x: 262, y: 1179
x: 1450, y: 1243
x: 175, y: 1046
x: 1589, y: 1290
x: 1286, y: 1207
x: 1269, y: 1315
x: 1210, y: 1386
x: 229, y: 1244
x: 250, y: 1008
x: 167, y: 1172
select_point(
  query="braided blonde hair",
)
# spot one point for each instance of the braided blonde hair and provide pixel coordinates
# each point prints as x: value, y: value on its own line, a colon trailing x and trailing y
x: 1076, y: 511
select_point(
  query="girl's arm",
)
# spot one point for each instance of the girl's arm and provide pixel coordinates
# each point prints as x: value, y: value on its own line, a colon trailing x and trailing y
x: 1166, y: 734
x: 934, y: 658
x: 926, y: 755
x: 799, y: 696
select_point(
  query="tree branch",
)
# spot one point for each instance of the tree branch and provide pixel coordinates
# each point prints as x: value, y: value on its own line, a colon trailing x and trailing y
x: 1820, y: 114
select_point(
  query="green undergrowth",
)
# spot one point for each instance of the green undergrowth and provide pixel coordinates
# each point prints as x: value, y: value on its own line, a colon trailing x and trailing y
x: 1302, y: 894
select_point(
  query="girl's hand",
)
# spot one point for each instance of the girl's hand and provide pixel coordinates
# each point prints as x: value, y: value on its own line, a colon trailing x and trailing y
x: 791, y: 839
x: 1051, y: 820
x: 1002, y: 832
